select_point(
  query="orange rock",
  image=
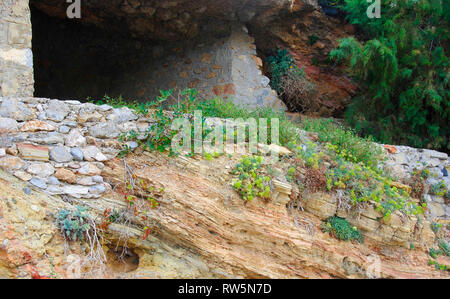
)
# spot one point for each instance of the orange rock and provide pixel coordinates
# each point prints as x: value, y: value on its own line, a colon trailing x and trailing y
x: 36, y: 125
x: 390, y: 148
x: 66, y: 175
x: 206, y: 58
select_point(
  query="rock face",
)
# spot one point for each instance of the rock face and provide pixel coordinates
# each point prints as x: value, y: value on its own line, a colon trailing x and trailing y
x: 201, y: 230
x: 201, y: 227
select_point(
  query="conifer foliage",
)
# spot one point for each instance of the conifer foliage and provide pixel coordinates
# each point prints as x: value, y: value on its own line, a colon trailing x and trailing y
x: 403, y: 68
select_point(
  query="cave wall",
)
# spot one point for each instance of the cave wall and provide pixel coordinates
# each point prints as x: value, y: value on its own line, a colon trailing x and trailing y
x: 76, y: 60
x: 16, y: 57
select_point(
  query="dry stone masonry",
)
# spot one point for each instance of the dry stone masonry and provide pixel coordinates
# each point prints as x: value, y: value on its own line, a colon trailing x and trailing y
x: 16, y: 57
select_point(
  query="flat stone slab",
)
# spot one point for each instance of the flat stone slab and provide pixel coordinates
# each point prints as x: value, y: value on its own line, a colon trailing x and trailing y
x: 33, y: 152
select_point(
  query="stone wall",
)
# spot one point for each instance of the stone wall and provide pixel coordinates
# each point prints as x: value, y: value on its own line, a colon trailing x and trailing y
x: 405, y: 161
x: 16, y: 57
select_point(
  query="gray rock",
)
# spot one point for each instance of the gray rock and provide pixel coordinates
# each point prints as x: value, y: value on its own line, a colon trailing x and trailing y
x: 64, y: 129
x: 400, y: 158
x: 75, y: 191
x: 38, y: 182
x: 60, y: 154
x: 77, y: 154
x: 435, y: 154
x: 93, y: 153
x: 52, y: 181
x: 121, y: 115
x: 104, y: 130
x: 57, y: 110
x: 42, y: 170
x: 46, y: 137
x: 8, y: 125
x: 72, y: 124
x: 97, y: 189
x: 132, y: 145
x: 105, y: 107
x: 73, y: 102
x: 97, y: 179
x: 85, y: 181
x: 75, y: 138
x: 12, y: 108
x: 27, y: 191
x: 54, y: 189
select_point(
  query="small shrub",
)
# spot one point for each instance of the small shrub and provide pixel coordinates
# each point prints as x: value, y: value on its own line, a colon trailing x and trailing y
x: 251, y: 182
x: 444, y: 248
x: 438, y: 189
x: 341, y: 229
x: 74, y: 224
x: 439, y: 267
x: 291, y: 83
x: 363, y: 184
x: 435, y: 227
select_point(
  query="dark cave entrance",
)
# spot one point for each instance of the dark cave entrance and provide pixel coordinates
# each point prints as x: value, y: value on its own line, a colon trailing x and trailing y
x: 76, y: 61
x: 79, y: 61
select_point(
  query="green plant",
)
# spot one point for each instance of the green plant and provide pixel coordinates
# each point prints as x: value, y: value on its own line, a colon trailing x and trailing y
x: 439, y: 189
x: 435, y: 227
x: 251, y: 182
x: 444, y: 248
x: 403, y: 70
x: 312, y: 39
x: 281, y: 65
x: 345, y: 141
x: 438, y: 266
x: 363, y: 184
x: 217, y: 107
x: 74, y: 224
x: 291, y: 83
x: 341, y: 229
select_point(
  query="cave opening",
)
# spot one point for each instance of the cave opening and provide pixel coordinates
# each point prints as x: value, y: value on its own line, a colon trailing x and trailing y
x: 78, y: 61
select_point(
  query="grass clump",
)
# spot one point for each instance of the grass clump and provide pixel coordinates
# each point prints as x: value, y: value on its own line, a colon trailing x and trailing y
x: 345, y: 141
x: 341, y: 229
x: 251, y: 182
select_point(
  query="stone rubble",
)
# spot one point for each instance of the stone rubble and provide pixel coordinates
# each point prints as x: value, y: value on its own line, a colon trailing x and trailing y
x: 60, y: 146
x: 404, y: 161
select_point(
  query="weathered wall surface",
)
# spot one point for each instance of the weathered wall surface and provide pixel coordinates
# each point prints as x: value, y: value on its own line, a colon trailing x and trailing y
x: 16, y: 57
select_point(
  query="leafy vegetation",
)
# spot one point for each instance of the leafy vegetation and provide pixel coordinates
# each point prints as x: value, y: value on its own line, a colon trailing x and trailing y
x: 290, y: 82
x: 251, y: 182
x: 362, y: 184
x: 345, y: 141
x: 403, y: 68
x: 438, y: 266
x: 341, y: 229
x: 439, y: 188
x: 74, y: 224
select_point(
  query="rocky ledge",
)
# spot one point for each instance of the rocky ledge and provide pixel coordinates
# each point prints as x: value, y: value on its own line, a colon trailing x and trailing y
x: 65, y: 152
